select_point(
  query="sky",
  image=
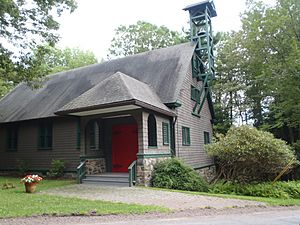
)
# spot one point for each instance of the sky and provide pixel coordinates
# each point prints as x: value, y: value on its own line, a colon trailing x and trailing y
x: 91, y: 26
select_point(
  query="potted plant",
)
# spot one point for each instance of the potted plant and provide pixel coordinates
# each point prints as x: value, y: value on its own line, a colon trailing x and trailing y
x: 31, y: 182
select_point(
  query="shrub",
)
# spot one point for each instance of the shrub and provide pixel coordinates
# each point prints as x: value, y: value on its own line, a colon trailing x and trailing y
x: 23, y: 167
x: 57, y: 168
x: 289, y: 189
x: 246, y: 154
x: 295, y: 174
x: 174, y: 174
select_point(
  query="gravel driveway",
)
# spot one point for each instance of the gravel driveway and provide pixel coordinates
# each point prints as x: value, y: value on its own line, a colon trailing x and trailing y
x: 147, y: 196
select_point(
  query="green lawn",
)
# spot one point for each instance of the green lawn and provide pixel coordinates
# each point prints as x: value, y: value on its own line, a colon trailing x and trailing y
x: 269, y: 201
x: 16, y: 203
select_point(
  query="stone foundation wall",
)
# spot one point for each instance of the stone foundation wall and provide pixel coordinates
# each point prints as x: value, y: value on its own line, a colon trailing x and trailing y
x: 145, y: 168
x: 208, y: 173
x: 95, y: 166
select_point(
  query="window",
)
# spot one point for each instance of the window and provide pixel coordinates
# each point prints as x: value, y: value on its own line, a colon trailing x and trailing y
x: 78, y: 134
x: 45, y: 136
x: 166, y: 133
x: 152, y: 139
x: 92, y: 133
x: 12, y: 139
x: 186, y: 139
x: 206, y: 138
x: 195, y: 94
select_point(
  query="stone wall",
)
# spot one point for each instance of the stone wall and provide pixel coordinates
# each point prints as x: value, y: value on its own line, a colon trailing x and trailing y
x: 208, y: 173
x: 95, y: 166
x: 145, y: 168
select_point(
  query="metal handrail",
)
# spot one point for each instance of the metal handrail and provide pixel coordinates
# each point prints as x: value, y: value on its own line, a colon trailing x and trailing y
x: 132, y: 173
x: 81, y: 171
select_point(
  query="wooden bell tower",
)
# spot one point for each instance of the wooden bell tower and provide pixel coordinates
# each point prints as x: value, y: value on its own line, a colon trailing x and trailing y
x: 203, y: 60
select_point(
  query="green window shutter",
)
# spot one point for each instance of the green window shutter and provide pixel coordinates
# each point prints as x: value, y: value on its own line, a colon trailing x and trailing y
x: 152, y: 133
x: 45, y: 136
x: 166, y: 133
x: 9, y: 139
x: 12, y: 138
x: 186, y: 138
x: 41, y: 136
x: 15, y: 139
x: 206, y: 138
x: 48, y: 137
x: 92, y: 131
x: 78, y: 142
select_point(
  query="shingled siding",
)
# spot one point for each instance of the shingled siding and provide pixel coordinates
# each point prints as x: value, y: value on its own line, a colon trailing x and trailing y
x: 63, y: 145
x: 194, y: 155
x: 160, y: 149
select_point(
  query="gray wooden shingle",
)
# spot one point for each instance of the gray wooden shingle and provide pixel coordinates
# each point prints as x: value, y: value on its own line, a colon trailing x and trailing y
x: 118, y: 88
x: 163, y: 70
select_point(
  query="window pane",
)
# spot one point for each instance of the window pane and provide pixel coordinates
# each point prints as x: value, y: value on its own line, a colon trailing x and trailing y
x: 45, y: 136
x: 92, y: 135
x: 166, y: 135
x: 206, y: 138
x: 186, y: 139
x: 12, y: 138
x: 152, y: 139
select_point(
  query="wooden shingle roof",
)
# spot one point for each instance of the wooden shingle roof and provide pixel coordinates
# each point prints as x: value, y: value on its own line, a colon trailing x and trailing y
x: 116, y: 89
x: 163, y: 70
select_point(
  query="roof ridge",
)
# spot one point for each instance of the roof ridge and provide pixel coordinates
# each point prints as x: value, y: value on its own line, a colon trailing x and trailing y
x: 121, y: 75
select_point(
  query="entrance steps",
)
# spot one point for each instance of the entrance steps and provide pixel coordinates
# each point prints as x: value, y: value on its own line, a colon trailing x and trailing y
x: 108, y: 179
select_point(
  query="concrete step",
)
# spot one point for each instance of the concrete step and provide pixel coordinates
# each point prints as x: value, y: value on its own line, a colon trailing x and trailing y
x: 109, y: 179
x: 109, y: 175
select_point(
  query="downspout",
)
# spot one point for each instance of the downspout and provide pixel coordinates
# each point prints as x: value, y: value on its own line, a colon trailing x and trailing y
x: 173, y: 147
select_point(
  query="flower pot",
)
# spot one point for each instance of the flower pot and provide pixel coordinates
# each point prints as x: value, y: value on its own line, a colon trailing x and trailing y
x: 30, y: 187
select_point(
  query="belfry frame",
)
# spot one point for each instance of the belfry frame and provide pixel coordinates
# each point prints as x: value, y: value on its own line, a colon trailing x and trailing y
x: 203, y: 60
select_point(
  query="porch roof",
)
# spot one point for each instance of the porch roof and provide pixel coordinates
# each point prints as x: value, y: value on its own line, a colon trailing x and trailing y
x: 117, y: 90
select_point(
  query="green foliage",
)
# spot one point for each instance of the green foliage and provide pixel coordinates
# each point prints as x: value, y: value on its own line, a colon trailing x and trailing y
x: 47, y: 59
x: 284, y: 190
x: 295, y: 173
x: 296, y: 146
x: 141, y: 37
x: 24, y: 26
x: 174, y: 174
x: 259, y: 69
x: 246, y: 154
x: 57, y: 168
x: 23, y: 167
x: 16, y: 203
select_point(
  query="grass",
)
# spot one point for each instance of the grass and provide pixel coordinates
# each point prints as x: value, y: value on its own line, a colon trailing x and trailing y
x: 16, y: 203
x: 268, y: 201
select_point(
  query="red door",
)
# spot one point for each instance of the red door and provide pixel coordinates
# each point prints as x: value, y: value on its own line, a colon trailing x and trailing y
x: 124, y: 146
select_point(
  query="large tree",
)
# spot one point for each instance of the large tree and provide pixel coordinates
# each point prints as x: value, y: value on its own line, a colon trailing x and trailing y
x: 141, y: 37
x: 263, y: 58
x: 47, y: 59
x: 25, y: 24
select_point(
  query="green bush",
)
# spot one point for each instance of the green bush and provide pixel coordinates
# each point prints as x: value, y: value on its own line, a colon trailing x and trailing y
x: 57, y: 168
x: 23, y: 167
x: 246, y: 154
x: 295, y: 173
x: 289, y: 189
x: 174, y: 174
